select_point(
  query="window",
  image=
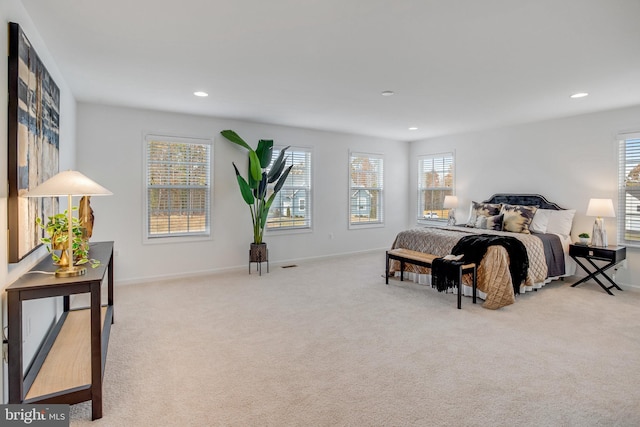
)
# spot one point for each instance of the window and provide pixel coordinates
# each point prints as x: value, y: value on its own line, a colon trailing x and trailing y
x: 178, y: 187
x: 366, y: 178
x: 291, y: 208
x: 435, y: 180
x: 629, y: 190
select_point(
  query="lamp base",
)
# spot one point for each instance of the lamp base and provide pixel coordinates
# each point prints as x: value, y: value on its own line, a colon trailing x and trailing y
x: 599, y: 235
x: 452, y: 217
x: 70, y: 271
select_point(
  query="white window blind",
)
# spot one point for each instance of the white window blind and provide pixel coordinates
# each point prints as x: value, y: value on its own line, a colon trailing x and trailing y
x: 366, y: 186
x: 435, y: 181
x: 291, y: 209
x: 629, y: 190
x: 178, y: 186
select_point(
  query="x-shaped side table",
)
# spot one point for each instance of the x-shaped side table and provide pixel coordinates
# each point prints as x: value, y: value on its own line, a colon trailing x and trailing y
x: 612, y: 254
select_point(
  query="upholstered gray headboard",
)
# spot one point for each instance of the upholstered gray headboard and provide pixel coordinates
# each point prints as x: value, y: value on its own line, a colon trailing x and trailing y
x: 523, y: 199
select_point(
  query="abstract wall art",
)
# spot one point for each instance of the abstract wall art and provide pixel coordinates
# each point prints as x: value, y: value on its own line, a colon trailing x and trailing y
x: 33, y: 140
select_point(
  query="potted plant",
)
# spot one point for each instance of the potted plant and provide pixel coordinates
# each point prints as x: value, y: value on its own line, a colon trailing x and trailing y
x: 584, y: 238
x: 255, y: 188
x: 58, y: 232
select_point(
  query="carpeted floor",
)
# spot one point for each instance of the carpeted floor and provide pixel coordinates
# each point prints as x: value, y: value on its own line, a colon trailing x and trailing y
x: 326, y: 343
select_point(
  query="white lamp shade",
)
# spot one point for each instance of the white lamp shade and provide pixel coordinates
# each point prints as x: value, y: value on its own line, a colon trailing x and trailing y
x: 68, y: 183
x: 450, y: 202
x: 601, y: 208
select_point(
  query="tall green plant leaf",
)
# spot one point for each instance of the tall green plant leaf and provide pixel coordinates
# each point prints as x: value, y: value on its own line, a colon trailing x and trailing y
x: 282, y: 179
x: 262, y: 188
x: 266, y: 207
x: 245, y: 190
x: 254, y: 166
x: 253, y: 183
x: 235, y: 138
x: 278, y: 166
x: 264, y: 152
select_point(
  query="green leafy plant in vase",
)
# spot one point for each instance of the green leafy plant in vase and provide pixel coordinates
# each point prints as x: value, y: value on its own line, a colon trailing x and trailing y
x: 58, y: 237
x: 255, y: 188
x: 584, y: 238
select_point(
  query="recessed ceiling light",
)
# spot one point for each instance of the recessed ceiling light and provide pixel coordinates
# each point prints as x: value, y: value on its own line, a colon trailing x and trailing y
x: 413, y: 128
x: 201, y: 94
x: 388, y: 93
x: 579, y: 95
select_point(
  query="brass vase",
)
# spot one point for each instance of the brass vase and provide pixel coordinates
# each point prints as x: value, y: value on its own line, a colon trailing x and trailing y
x: 64, y: 259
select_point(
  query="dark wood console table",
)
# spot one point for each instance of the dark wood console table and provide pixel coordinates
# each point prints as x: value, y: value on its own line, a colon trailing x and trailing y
x: 69, y: 366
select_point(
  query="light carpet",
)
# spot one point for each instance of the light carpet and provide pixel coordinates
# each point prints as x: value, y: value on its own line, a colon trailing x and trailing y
x: 327, y: 343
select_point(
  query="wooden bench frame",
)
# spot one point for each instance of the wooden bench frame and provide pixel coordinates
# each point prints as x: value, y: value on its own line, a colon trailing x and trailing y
x: 406, y: 256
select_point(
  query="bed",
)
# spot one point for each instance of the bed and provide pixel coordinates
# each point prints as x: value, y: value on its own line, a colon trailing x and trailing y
x: 541, y: 226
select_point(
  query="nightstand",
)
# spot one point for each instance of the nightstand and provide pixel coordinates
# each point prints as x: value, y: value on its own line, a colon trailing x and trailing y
x: 611, y: 254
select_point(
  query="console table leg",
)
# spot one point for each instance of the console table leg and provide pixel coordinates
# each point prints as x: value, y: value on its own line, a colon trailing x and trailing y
x: 96, y: 353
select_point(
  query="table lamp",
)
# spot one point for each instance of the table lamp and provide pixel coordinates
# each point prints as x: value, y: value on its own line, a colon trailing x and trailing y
x: 69, y: 183
x: 600, y: 208
x: 451, y: 202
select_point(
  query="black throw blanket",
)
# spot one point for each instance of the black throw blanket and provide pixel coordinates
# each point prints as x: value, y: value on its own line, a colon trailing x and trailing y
x: 445, y: 273
x: 475, y: 246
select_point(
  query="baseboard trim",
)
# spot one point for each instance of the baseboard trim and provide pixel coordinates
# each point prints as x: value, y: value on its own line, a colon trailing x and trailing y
x: 200, y: 273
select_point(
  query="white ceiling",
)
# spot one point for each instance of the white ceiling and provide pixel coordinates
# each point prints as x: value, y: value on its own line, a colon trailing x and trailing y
x: 454, y: 65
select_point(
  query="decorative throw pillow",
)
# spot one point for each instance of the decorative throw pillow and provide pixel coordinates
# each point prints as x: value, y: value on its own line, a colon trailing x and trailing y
x: 489, y: 222
x: 482, y: 209
x: 540, y: 221
x: 481, y: 222
x: 495, y: 222
x: 517, y: 218
x: 560, y: 221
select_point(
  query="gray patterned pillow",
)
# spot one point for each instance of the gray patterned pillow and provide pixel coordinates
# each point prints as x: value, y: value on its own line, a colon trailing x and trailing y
x: 517, y: 218
x: 479, y: 209
x: 489, y: 222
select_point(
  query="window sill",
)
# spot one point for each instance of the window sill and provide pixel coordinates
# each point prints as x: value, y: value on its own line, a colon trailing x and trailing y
x: 287, y: 231
x: 366, y: 225
x: 175, y: 239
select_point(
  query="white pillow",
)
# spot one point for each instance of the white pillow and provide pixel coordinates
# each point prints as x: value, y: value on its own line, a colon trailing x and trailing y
x: 560, y: 222
x: 540, y: 221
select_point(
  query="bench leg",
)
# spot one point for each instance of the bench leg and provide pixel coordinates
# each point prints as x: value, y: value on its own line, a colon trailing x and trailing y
x: 460, y: 288
x: 386, y: 276
x: 475, y: 282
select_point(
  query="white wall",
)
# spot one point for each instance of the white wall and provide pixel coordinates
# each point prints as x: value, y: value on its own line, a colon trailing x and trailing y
x: 110, y: 152
x: 567, y: 160
x: 41, y: 312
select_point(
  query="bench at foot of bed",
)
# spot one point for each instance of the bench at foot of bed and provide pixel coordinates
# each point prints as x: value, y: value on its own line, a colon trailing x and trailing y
x: 406, y: 256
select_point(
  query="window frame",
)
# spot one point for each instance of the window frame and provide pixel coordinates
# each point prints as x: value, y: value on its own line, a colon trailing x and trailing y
x: 380, y: 222
x: 442, y: 219
x: 207, y: 234
x: 308, y: 206
x: 622, y: 213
